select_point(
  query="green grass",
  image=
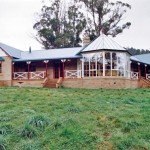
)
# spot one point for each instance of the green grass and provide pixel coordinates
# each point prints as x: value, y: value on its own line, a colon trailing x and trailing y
x: 74, y: 119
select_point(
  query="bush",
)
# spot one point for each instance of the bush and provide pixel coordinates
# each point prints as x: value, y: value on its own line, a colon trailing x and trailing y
x: 2, y: 144
x: 5, y: 129
x: 28, y: 131
x: 39, y: 121
x: 2, y: 147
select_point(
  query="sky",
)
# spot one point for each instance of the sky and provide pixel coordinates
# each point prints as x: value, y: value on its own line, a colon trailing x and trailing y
x: 17, y: 18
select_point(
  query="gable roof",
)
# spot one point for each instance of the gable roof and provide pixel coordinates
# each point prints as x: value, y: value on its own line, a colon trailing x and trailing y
x: 11, y: 51
x: 61, y: 53
x: 103, y: 42
x: 143, y: 58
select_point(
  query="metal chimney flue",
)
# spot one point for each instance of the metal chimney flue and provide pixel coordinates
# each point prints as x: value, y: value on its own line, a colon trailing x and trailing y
x: 30, y: 49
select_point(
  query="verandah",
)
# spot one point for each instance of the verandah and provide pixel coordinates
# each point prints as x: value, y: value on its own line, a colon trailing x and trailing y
x: 102, y: 64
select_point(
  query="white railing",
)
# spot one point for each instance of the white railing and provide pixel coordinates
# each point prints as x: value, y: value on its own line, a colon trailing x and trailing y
x: 31, y: 75
x: 73, y: 74
x: 37, y: 75
x: 148, y: 77
x: 20, y: 75
x: 134, y: 75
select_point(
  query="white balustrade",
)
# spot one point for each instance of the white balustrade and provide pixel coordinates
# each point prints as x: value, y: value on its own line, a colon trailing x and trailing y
x: 32, y: 75
x: 148, y: 77
x: 73, y: 74
x: 20, y: 75
x: 134, y: 75
x: 37, y: 75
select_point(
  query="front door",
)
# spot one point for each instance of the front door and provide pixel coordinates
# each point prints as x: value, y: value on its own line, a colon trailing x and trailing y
x: 58, y: 69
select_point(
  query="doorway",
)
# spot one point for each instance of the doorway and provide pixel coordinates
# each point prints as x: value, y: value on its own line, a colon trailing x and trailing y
x: 58, y: 69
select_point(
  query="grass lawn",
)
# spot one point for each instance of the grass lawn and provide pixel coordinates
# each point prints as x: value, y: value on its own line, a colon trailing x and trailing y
x: 74, y: 119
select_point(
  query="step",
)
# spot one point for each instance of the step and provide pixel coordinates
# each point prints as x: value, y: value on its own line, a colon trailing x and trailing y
x: 146, y: 82
x: 51, y: 83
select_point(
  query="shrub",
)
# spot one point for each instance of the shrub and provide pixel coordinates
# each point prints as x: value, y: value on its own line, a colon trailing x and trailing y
x: 2, y: 131
x: 73, y: 109
x: 39, y: 121
x: 2, y: 144
x: 28, y: 131
x: 56, y: 124
x: 5, y: 129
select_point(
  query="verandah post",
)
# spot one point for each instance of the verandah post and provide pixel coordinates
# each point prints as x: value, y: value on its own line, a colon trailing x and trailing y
x: 46, y: 67
x: 130, y: 69
x: 139, y: 72
x: 28, y: 62
x: 145, y: 71
x: 13, y: 70
x: 63, y: 71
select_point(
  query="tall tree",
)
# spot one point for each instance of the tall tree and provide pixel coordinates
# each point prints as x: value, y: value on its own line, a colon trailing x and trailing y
x: 59, y: 26
x: 76, y: 23
x: 49, y: 25
x: 106, y: 17
x: 134, y: 51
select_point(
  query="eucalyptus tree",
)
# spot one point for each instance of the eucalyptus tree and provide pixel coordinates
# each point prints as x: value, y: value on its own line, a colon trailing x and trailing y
x: 60, y: 25
x: 76, y: 23
x: 105, y: 16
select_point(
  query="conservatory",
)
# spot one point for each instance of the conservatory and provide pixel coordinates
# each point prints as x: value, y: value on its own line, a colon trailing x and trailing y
x: 101, y: 58
x: 105, y: 63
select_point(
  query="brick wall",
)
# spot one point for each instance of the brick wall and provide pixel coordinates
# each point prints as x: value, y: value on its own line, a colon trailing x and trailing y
x: 28, y: 83
x: 97, y: 83
x: 6, y: 75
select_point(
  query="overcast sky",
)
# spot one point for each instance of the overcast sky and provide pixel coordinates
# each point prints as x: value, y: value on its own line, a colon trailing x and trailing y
x: 18, y: 16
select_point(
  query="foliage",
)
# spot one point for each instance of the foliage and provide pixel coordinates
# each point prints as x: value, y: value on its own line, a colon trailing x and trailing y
x: 27, y: 131
x: 39, y: 121
x: 61, y: 24
x: 106, y: 16
x: 74, y: 119
x: 134, y: 51
x: 58, y: 27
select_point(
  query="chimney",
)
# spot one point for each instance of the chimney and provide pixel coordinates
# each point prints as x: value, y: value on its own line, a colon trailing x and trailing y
x: 30, y: 49
x: 86, y: 40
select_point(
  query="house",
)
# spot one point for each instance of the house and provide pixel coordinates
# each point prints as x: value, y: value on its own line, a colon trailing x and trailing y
x: 102, y: 63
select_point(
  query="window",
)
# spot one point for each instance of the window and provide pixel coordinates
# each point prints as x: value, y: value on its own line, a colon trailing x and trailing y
x: 106, y: 64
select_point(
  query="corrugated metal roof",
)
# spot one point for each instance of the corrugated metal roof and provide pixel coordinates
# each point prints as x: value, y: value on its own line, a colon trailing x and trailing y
x: 16, y: 53
x: 61, y: 53
x: 103, y: 42
x: 143, y: 58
